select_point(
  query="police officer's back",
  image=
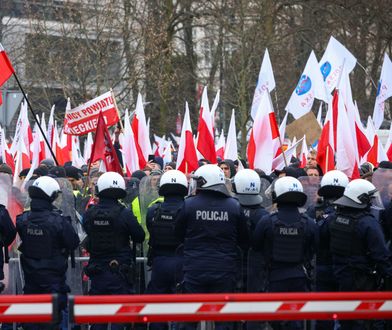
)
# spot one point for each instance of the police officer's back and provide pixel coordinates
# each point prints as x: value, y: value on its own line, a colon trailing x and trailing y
x: 47, y: 239
x: 246, y: 186
x: 357, y: 244
x: 164, y: 255
x: 7, y: 236
x: 211, y: 224
x: 331, y: 188
x: 110, y: 227
x: 287, y: 238
x: 356, y: 239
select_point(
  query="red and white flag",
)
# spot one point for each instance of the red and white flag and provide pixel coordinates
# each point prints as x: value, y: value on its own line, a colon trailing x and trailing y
x: 84, y: 118
x: 265, y: 83
x: 346, y: 151
x: 304, y: 153
x: 231, y: 150
x: 129, y: 150
x: 309, y: 87
x: 51, y: 125
x: 23, y: 132
x: 384, y: 91
x: 388, y: 145
x: 331, y: 64
x: 88, y: 143
x: 376, y: 154
x: 5, y: 152
x: 205, y: 141
x: 103, y: 148
x: 220, y: 147
x: 186, y: 158
x: 141, y: 133
x: 325, y: 147
x: 262, y: 138
x: 213, y: 110
x: 6, y: 69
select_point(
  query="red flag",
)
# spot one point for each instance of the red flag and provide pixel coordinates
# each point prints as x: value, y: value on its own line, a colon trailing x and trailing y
x: 103, y: 148
x: 325, y: 152
x: 6, y: 69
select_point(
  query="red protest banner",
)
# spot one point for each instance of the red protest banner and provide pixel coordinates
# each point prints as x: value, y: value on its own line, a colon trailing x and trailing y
x: 84, y: 118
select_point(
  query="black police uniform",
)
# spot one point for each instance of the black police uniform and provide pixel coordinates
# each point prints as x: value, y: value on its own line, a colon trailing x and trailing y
x: 288, y: 240
x: 358, y: 249
x: 109, y: 227
x: 47, y: 240
x: 212, y: 226
x: 7, y: 236
x: 164, y: 257
x: 255, y: 276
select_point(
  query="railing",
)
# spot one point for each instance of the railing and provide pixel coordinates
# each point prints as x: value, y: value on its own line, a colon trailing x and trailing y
x: 199, y: 307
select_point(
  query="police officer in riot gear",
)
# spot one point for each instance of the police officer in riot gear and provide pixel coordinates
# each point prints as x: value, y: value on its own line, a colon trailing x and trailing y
x: 109, y: 227
x: 163, y: 255
x: 212, y: 225
x: 47, y: 239
x: 246, y: 187
x: 288, y: 240
x: 332, y: 186
x: 357, y: 243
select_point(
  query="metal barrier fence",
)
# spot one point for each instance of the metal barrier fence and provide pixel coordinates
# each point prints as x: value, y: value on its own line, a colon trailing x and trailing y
x: 199, y: 307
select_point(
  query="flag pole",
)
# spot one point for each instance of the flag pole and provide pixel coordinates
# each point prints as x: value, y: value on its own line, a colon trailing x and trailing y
x: 118, y: 112
x: 35, y: 119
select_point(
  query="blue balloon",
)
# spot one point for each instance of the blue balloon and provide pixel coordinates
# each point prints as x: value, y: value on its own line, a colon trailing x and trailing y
x: 326, y: 69
x: 304, y: 85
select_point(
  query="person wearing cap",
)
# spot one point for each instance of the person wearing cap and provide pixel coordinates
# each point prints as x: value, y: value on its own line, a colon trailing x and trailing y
x: 288, y: 240
x: 212, y: 225
x: 47, y: 241
x: 357, y: 244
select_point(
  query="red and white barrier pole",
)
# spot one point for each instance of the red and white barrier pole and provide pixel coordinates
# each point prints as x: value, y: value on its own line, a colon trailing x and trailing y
x: 28, y: 308
x: 231, y: 307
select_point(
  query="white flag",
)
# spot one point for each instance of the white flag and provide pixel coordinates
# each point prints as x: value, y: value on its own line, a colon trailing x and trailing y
x: 310, y: 86
x: 384, y: 91
x: 265, y: 82
x: 331, y: 63
x: 231, y: 151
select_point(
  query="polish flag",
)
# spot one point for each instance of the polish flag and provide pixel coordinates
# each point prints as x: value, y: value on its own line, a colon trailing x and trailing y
x: 205, y: 141
x: 376, y: 154
x: 6, y: 69
x: 129, y: 150
x: 41, y: 150
x: 23, y: 132
x: 5, y: 152
x: 36, y: 146
x: 357, y: 131
x: 186, y: 158
x: 231, y: 151
x: 388, y: 145
x: 346, y: 151
x: 325, y: 147
x: 49, y: 131
x: 167, y: 153
x: 220, y: 147
x: 213, y: 110
x: 264, y: 132
x: 304, y: 153
x: 141, y: 133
